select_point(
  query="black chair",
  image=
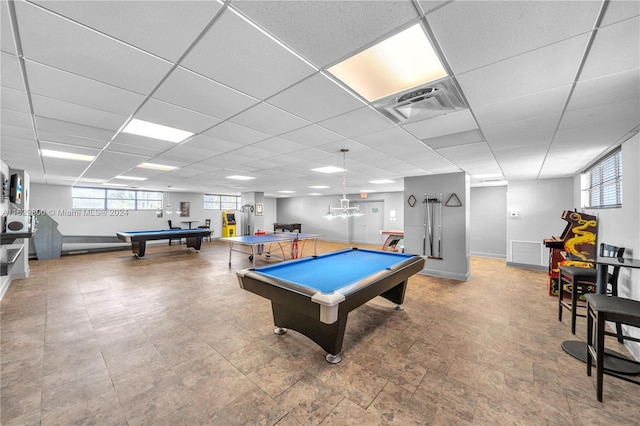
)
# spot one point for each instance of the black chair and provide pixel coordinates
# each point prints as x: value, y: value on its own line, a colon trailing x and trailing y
x: 600, y: 309
x: 580, y: 281
x: 174, y: 227
x: 207, y: 225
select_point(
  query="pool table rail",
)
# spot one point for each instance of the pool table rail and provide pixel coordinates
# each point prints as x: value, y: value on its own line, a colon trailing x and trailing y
x: 322, y: 317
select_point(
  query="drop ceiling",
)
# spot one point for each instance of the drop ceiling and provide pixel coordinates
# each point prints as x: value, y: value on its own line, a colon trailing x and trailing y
x: 548, y: 87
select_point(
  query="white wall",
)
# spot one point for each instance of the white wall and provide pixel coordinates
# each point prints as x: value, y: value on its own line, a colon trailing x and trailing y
x: 488, y: 222
x: 57, y: 201
x: 309, y: 212
x: 455, y: 223
x: 539, y: 204
x: 621, y: 226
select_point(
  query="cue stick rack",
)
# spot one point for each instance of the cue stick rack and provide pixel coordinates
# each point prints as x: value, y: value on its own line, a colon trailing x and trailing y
x: 432, y: 237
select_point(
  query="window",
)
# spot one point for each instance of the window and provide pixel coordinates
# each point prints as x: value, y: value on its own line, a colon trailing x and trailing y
x: 128, y: 199
x: 601, y: 184
x: 221, y: 202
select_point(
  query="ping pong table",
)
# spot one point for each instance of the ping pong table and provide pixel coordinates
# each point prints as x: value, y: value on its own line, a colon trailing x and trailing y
x: 262, y: 244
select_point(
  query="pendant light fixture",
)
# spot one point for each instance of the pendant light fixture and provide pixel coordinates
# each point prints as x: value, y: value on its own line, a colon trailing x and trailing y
x: 346, y: 209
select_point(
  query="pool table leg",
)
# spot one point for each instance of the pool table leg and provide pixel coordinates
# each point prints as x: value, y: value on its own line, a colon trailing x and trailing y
x: 138, y: 248
x: 328, y: 336
x: 194, y: 243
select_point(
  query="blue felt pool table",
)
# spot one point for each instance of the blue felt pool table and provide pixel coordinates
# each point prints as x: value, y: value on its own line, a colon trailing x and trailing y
x: 314, y: 295
x: 138, y: 239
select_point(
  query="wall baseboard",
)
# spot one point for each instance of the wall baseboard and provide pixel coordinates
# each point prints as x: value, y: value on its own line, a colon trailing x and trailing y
x: 489, y: 255
x: 448, y: 275
x: 4, y: 285
x: 525, y: 266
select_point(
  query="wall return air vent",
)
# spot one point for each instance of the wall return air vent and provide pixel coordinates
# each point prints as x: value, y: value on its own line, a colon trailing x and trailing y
x: 431, y: 100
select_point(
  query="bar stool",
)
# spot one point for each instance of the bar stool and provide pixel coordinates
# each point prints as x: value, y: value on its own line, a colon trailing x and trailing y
x: 207, y: 225
x: 580, y: 281
x: 602, y: 308
x: 174, y: 227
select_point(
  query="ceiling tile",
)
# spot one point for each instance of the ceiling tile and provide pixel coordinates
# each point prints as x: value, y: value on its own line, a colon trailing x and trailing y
x: 141, y: 23
x: 213, y: 145
x: 46, y: 124
x: 110, y: 164
x: 71, y: 140
x: 461, y: 138
x: 489, y: 32
x: 195, y: 92
x: 393, y: 141
x: 236, y: 133
x: 548, y: 102
x: 279, y: 145
x: 68, y: 87
x: 600, y: 114
x: 10, y: 72
x: 142, y: 142
x: 60, y: 167
x: 13, y: 118
x: 537, y: 131
x: 546, y: 68
x: 600, y: 134
x: 620, y: 10
x: 174, y: 116
x: 305, y: 25
x: 14, y: 100
x: 74, y: 149
x: 6, y: 35
x: 315, y: 99
x: 615, y: 49
x: 182, y: 155
x: 312, y: 135
x: 74, y: 113
x: 356, y: 123
x: 66, y: 45
x: 267, y: 67
x: 604, y: 90
x: 475, y: 159
x: 268, y: 119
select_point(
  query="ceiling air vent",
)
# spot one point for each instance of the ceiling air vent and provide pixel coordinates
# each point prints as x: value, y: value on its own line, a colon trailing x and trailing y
x: 437, y: 98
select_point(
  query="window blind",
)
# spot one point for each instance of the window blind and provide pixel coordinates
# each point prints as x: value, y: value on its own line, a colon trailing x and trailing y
x: 602, y: 182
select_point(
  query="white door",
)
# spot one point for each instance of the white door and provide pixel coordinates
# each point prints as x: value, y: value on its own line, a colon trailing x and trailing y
x: 366, y: 229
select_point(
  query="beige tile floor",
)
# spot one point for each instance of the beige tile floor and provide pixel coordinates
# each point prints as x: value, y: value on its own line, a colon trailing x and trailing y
x: 172, y: 340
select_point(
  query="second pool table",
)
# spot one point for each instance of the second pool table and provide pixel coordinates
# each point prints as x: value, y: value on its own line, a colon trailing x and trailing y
x: 314, y: 295
x: 138, y: 239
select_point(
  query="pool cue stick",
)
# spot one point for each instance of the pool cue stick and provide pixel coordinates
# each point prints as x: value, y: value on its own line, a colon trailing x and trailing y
x: 424, y: 233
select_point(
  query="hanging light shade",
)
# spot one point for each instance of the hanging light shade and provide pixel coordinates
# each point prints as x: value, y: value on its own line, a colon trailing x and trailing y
x: 168, y: 208
x: 346, y: 209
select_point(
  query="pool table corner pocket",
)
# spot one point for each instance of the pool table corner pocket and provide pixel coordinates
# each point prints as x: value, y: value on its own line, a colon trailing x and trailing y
x: 329, y: 304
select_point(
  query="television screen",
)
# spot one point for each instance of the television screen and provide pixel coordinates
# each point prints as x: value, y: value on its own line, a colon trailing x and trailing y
x: 15, y: 194
x: 231, y: 218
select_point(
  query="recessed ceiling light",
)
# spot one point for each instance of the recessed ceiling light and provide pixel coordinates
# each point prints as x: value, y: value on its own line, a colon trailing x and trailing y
x: 66, y: 155
x: 319, y: 186
x: 286, y: 191
x: 366, y: 191
x: 154, y: 166
x: 129, y: 177
x: 315, y: 193
x: 156, y: 131
x: 399, y: 63
x: 239, y: 177
x: 381, y: 181
x: 328, y: 169
x: 114, y: 184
